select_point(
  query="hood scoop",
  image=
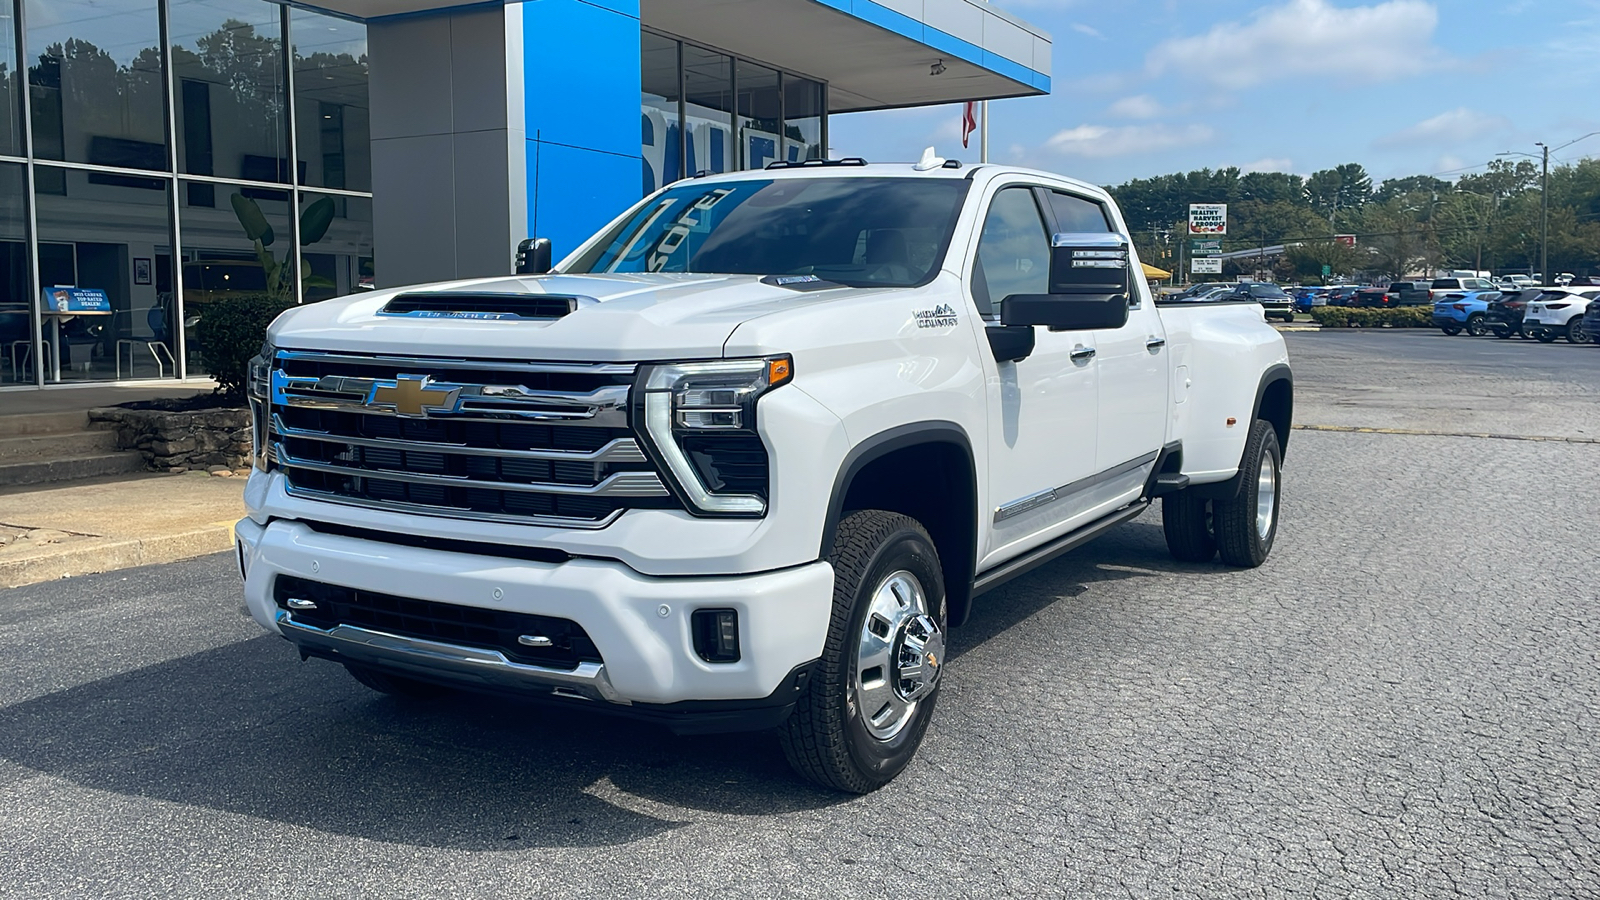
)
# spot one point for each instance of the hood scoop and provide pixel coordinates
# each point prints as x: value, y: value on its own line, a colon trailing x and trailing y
x: 464, y: 305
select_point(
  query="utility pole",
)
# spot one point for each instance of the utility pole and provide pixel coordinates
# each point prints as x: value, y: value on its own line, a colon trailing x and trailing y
x: 1544, y: 217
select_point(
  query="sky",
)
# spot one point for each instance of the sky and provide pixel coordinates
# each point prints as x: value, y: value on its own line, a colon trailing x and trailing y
x: 1403, y: 87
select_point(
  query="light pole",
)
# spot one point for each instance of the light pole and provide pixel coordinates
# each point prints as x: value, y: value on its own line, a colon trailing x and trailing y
x: 1544, y: 198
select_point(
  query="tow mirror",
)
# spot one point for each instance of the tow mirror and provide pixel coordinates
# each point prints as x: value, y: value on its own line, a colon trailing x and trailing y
x: 1090, y: 286
x: 533, y: 256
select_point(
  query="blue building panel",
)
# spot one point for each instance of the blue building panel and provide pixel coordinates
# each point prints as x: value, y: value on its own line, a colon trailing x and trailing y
x: 574, y: 191
x: 580, y: 64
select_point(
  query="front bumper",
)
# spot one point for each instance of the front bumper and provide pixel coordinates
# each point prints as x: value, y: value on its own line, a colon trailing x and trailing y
x: 639, y: 624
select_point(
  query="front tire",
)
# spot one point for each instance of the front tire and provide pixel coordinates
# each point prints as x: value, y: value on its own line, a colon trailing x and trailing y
x: 1476, y: 326
x: 868, y: 704
x: 1186, y: 520
x: 1247, y: 525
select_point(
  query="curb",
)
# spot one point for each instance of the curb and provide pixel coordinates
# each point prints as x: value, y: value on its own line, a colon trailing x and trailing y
x: 90, y: 557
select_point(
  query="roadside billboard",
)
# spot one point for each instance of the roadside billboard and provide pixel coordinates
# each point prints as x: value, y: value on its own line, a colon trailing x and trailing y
x: 1208, y: 218
x: 1205, y: 246
x: 1206, y: 265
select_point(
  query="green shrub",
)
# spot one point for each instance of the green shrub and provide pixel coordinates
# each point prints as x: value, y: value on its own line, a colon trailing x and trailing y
x: 1363, y: 317
x: 231, y: 330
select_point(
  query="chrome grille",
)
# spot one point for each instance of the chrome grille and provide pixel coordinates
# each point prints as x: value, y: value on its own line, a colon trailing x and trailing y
x: 537, y: 443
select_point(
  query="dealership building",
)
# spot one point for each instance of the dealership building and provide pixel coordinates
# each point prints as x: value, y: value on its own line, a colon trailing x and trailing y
x: 147, y: 146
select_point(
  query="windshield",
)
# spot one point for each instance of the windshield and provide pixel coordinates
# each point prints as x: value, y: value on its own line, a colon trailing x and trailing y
x: 861, y: 232
x: 1267, y: 292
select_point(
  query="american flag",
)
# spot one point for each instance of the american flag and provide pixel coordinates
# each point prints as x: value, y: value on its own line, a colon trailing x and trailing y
x: 969, y: 121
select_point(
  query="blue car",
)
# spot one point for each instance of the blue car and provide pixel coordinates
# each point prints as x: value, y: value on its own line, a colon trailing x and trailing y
x: 1467, y: 311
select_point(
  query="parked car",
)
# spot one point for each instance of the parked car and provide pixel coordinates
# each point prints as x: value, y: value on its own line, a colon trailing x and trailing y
x: 1467, y: 311
x: 1307, y: 299
x: 1564, y: 279
x: 1274, y: 302
x: 1504, y: 316
x: 1558, y: 312
x: 1449, y: 285
x: 645, y: 500
x: 1205, y: 287
x: 1591, y: 321
x: 1372, y: 297
x: 1410, y: 293
x: 1343, y: 294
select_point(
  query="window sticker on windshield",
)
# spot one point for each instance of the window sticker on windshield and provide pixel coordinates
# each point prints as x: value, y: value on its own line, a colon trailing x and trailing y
x: 693, y: 220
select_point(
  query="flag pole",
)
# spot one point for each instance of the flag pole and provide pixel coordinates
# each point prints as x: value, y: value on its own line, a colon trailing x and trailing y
x: 983, y: 140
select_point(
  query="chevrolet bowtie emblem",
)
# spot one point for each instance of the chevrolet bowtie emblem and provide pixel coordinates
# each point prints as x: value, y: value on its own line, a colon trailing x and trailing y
x: 411, y: 396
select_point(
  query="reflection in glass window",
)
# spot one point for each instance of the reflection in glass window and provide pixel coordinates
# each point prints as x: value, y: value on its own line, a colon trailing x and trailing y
x: 130, y: 262
x: 660, y: 138
x: 852, y: 231
x: 229, y: 89
x: 802, y: 119
x: 760, y: 116
x: 10, y: 87
x: 338, y: 259
x: 16, y: 303
x: 708, y: 122
x: 220, y: 257
x: 1013, y: 250
x: 330, y: 92
x: 94, y: 77
x: 1075, y: 215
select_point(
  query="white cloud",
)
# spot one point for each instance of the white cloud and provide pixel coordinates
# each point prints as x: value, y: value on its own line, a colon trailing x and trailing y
x: 1089, y: 30
x: 1098, y: 141
x: 1446, y: 129
x: 1389, y: 40
x: 1269, y: 164
x: 1140, y: 106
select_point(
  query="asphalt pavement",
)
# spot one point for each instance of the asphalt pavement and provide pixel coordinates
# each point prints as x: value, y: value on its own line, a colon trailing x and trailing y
x: 1400, y: 703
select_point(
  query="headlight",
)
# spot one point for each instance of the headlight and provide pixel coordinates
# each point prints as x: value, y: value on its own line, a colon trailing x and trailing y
x: 699, y: 418
x: 258, y: 386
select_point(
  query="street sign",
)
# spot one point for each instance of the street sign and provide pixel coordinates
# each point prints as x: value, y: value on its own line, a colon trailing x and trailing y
x: 1208, y: 218
x: 1326, y: 271
x: 1206, y: 265
x: 1205, y: 246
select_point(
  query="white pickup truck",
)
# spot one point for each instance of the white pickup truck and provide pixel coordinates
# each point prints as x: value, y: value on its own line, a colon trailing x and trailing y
x: 742, y: 459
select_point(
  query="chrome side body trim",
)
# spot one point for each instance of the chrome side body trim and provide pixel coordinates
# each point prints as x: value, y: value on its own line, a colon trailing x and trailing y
x: 448, y: 661
x: 1050, y: 495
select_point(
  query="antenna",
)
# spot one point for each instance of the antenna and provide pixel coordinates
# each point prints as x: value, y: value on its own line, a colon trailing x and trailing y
x: 929, y: 160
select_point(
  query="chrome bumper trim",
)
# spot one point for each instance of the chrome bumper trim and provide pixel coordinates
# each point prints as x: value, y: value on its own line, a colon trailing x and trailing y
x: 450, y: 661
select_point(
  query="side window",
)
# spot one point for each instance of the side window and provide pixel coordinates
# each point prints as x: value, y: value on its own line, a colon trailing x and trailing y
x: 1077, y: 215
x: 1013, y: 251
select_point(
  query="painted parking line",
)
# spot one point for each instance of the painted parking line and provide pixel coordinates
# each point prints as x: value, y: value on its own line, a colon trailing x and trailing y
x: 1354, y: 429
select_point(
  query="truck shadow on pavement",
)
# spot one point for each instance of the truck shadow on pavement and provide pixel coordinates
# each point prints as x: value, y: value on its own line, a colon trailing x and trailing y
x: 245, y: 729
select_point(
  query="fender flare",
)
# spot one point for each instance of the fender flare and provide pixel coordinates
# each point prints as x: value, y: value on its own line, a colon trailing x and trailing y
x: 1277, y: 372
x: 959, y: 571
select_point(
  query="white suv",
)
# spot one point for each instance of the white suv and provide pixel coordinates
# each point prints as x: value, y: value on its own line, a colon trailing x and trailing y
x: 1443, y: 286
x: 1558, y: 312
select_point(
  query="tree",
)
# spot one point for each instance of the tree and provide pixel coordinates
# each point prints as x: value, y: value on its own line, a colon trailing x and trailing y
x: 1338, y: 193
x: 1411, y: 184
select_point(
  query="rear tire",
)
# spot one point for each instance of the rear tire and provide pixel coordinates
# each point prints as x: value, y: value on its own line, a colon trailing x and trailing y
x: 396, y: 685
x: 1451, y: 330
x: 1502, y: 332
x: 1186, y: 522
x: 868, y: 703
x: 1476, y: 326
x: 1575, y: 331
x: 1545, y: 336
x: 1247, y: 524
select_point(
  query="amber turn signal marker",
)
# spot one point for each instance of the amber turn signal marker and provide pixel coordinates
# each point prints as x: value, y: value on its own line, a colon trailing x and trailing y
x: 1232, y: 421
x: 779, y: 371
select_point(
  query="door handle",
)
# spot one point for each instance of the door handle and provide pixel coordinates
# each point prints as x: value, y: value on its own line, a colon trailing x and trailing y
x: 1082, y: 352
x: 1155, y: 343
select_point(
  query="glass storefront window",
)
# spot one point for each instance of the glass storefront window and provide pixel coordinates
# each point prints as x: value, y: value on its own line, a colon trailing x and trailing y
x: 339, y: 260
x: 760, y: 116
x: 802, y: 119
x: 10, y: 85
x: 112, y: 237
x: 708, y: 111
x: 220, y: 258
x: 661, y: 134
x: 230, y: 91
x: 94, y: 78
x: 16, y: 303
x: 330, y: 94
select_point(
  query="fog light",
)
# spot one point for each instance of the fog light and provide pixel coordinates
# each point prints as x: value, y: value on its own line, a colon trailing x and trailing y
x: 716, y: 634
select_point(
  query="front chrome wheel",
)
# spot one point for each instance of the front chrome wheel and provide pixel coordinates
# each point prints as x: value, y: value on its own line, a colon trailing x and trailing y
x: 898, y: 655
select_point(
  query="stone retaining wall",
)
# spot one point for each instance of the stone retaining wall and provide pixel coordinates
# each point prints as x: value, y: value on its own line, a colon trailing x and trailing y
x: 202, y: 439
